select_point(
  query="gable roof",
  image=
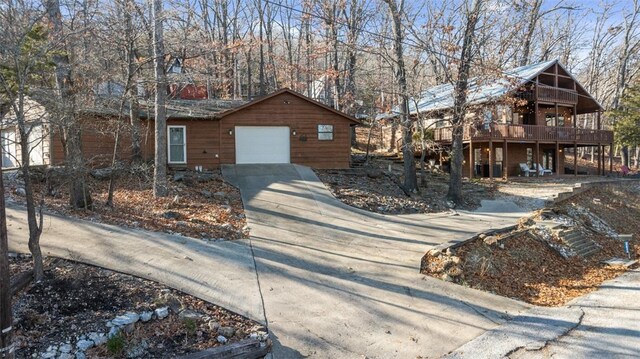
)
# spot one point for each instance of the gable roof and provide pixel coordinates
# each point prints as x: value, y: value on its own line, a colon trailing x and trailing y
x: 441, y: 97
x: 223, y: 114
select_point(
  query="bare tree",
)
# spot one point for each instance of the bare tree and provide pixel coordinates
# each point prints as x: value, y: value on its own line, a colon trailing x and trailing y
x: 410, y: 179
x: 6, y: 323
x: 23, y: 51
x: 160, y: 186
x: 460, y: 101
x: 79, y: 195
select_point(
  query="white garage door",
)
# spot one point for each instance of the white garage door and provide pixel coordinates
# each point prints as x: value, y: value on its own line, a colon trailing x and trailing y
x: 262, y: 144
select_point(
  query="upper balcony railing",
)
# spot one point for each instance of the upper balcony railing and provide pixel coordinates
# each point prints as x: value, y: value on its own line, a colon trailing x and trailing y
x: 500, y: 132
x: 551, y: 94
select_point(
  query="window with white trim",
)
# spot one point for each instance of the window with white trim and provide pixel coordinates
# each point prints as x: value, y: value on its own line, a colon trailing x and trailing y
x: 325, y: 132
x: 177, y: 144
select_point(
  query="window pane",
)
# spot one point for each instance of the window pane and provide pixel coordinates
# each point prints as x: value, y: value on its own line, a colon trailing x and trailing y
x: 325, y: 136
x: 325, y: 128
x: 176, y: 153
x: 325, y: 132
x: 176, y: 136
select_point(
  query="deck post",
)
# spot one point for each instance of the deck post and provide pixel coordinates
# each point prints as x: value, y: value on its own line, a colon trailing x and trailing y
x: 537, y: 159
x: 599, y: 159
x: 575, y: 158
x: 505, y: 161
x: 557, y: 159
x: 470, y: 158
x: 611, y: 158
x: 491, y: 159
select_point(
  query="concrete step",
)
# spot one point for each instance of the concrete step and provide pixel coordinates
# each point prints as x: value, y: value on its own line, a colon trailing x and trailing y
x: 573, y: 235
x: 588, y: 252
x: 577, y: 241
x: 574, y: 240
x: 583, y: 246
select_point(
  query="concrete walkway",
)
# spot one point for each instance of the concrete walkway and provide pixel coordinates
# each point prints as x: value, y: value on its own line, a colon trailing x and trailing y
x: 602, y: 324
x: 335, y: 281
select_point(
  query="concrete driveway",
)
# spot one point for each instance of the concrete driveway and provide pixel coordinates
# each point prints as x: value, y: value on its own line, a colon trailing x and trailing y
x: 331, y: 281
x: 338, y: 282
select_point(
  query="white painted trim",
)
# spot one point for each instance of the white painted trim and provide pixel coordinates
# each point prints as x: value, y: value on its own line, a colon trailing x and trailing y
x: 184, y: 132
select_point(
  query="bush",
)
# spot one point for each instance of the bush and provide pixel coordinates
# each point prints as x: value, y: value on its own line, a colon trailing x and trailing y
x: 116, y: 344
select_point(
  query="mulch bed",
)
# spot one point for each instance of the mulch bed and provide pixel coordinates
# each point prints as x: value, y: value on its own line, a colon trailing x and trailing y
x: 525, y: 268
x: 375, y: 190
x: 75, y: 299
x: 210, y: 209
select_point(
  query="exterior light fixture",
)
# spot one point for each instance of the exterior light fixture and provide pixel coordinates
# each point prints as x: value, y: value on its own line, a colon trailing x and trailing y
x: 294, y: 132
x: 230, y: 132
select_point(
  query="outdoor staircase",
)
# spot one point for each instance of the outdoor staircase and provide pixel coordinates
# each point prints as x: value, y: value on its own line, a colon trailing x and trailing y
x: 577, y: 241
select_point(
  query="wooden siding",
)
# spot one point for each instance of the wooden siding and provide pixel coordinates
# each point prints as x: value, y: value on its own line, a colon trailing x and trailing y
x: 98, y: 140
x: 209, y: 143
x: 301, y: 116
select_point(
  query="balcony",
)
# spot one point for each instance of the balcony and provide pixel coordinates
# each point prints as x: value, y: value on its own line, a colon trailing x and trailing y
x: 528, y: 133
x: 551, y: 94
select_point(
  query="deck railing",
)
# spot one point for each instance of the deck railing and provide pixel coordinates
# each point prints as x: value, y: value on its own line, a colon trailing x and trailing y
x: 551, y: 94
x: 499, y: 132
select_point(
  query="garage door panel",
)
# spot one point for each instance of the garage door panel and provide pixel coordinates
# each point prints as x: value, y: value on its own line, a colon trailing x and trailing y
x: 262, y: 144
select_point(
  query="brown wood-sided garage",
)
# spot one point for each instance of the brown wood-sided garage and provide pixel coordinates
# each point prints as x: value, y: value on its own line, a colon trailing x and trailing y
x: 282, y: 127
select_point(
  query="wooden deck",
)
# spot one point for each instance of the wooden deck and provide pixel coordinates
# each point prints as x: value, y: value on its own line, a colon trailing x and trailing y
x: 528, y: 133
x: 551, y: 94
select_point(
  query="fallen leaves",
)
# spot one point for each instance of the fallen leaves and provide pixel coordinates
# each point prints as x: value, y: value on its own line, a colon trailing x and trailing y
x: 525, y: 268
x: 208, y: 210
x: 374, y: 189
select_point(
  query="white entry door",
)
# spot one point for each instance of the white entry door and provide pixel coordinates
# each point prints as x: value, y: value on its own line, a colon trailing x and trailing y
x: 262, y: 144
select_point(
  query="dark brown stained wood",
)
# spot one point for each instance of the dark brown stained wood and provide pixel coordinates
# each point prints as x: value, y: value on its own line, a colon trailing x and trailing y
x: 209, y: 143
x: 299, y: 115
x: 248, y: 349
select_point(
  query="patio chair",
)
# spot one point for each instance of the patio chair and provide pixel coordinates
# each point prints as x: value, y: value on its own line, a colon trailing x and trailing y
x: 541, y: 170
x: 526, y: 170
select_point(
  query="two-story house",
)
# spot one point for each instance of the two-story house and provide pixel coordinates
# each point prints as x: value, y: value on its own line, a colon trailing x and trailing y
x: 529, y: 115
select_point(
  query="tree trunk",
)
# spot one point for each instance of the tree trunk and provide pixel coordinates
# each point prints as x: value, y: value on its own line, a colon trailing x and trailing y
x: 134, y: 119
x: 6, y: 333
x: 528, y: 37
x: 160, y: 169
x: 79, y: 196
x: 32, y: 218
x: 624, y: 155
x: 114, y: 159
x: 460, y: 104
x: 410, y: 180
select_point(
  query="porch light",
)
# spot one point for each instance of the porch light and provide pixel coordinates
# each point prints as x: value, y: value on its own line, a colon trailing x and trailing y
x: 294, y: 132
x: 230, y: 132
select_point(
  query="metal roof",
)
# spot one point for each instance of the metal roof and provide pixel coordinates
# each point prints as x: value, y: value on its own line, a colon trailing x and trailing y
x: 480, y: 90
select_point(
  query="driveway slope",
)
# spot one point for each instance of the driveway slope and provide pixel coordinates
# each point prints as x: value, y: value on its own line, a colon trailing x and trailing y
x: 342, y: 282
